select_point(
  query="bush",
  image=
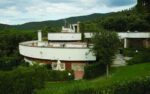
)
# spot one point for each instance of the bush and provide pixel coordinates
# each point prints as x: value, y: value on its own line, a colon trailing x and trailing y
x: 136, y: 86
x: 22, y: 80
x: 93, y: 71
x: 60, y: 75
x: 129, y: 52
x: 141, y: 57
x: 26, y: 80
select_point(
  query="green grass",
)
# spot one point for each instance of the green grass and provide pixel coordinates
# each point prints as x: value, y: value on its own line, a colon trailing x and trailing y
x: 127, y: 73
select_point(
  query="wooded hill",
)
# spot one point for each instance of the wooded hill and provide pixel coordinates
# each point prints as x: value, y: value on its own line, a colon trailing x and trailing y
x: 54, y: 23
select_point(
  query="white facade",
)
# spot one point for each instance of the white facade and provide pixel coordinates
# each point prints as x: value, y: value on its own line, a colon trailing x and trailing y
x: 123, y: 35
x: 88, y: 35
x: 64, y: 36
x: 68, y: 30
x: 134, y: 35
x: 65, y: 54
x: 77, y: 45
x: 39, y: 35
x: 72, y: 29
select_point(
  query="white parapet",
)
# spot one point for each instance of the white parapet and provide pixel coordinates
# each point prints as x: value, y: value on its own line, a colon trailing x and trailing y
x: 66, y: 54
x: 77, y: 45
x: 67, y: 30
x: 134, y: 35
x: 64, y: 36
x: 42, y: 43
x: 123, y: 35
x: 88, y: 35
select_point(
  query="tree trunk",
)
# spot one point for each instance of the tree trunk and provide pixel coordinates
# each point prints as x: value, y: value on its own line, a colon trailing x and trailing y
x: 107, y: 70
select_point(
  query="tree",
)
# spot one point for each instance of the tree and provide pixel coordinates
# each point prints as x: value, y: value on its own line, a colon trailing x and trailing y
x: 143, y: 5
x: 105, y: 47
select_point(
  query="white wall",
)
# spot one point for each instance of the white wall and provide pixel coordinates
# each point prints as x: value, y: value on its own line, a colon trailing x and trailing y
x: 76, y: 45
x: 39, y: 35
x: 134, y: 35
x: 126, y: 35
x: 67, y: 30
x: 64, y: 36
x: 88, y: 35
x: 67, y: 54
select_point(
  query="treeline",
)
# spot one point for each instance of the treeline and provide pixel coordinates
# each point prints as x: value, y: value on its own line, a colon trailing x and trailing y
x: 135, y: 19
x: 120, y: 22
x: 9, y: 53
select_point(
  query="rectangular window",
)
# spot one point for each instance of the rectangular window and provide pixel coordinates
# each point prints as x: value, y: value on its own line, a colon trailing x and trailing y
x: 60, y: 67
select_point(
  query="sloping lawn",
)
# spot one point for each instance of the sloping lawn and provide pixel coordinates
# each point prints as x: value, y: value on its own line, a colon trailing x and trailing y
x: 120, y: 74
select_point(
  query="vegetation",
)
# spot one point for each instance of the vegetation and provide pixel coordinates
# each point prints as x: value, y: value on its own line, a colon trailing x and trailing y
x: 139, y: 57
x: 56, y: 23
x: 54, y: 76
x: 94, y: 70
x: 123, y: 80
x: 105, y: 47
x: 25, y: 80
x: 143, y: 6
x: 9, y: 54
x: 22, y: 80
x: 129, y: 52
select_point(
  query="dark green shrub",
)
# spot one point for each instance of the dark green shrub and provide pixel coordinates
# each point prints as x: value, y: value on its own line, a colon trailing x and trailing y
x: 22, y: 80
x: 60, y: 75
x: 129, y: 52
x: 93, y: 71
x: 137, y: 86
x: 26, y: 80
x: 141, y: 57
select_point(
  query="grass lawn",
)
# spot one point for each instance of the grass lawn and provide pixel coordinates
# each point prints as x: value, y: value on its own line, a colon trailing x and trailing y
x: 117, y: 74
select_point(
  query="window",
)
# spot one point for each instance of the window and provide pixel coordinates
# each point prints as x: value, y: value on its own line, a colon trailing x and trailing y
x: 78, y: 67
x: 60, y: 67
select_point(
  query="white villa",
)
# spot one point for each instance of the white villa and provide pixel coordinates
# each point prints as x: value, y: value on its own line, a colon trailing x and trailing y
x: 66, y: 51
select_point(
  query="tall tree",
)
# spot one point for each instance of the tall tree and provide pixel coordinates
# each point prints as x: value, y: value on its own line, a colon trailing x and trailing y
x: 105, y: 47
x: 144, y: 5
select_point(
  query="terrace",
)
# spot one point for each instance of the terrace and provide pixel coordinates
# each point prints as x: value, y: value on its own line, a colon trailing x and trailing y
x: 46, y: 44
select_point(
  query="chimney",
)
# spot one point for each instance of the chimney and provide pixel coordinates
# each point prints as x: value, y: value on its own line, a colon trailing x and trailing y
x: 78, y: 26
x: 39, y: 35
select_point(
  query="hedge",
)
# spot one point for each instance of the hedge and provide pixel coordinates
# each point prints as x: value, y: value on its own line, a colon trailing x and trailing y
x: 140, y: 57
x: 60, y: 75
x: 94, y: 70
x: 129, y: 52
x: 132, y: 52
x: 26, y: 80
x: 138, y: 86
x: 22, y: 80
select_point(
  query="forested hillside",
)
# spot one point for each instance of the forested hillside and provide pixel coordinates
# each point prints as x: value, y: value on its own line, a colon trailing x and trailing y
x: 57, y: 23
x: 132, y: 20
x: 120, y: 22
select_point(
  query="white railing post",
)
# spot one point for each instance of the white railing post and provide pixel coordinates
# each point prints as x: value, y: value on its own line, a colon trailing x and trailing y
x: 125, y: 42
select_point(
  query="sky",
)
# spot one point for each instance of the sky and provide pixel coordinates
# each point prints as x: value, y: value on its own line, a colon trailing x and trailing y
x: 15, y: 12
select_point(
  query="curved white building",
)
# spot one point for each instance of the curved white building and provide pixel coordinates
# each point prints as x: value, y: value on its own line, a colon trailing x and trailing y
x: 63, y: 51
x: 66, y: 51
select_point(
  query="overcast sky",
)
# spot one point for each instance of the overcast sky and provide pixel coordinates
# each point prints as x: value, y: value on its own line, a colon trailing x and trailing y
x: 21, y: 11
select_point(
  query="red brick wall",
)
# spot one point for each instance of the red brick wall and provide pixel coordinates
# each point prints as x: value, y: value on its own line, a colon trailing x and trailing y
x: 68, y: 66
